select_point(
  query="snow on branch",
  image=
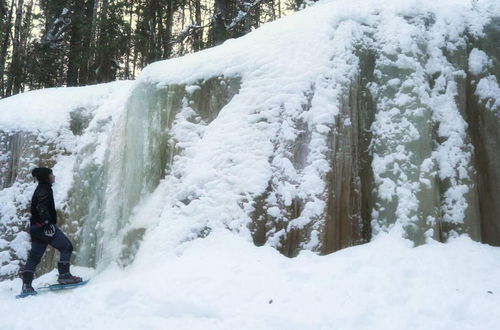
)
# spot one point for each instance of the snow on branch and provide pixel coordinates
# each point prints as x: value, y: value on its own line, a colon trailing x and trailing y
x: 59, y: 26
x: 243, y: 13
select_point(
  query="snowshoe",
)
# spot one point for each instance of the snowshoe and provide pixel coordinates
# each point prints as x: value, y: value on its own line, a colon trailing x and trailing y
x: 68, y: 279
x: 65, y: 276
x: 27, y: 291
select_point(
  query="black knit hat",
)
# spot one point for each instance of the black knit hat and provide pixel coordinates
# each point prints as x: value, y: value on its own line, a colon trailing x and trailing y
x: 42, y: 173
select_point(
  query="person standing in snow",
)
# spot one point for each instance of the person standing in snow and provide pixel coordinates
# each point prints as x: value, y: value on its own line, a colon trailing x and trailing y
x: 43, y: 231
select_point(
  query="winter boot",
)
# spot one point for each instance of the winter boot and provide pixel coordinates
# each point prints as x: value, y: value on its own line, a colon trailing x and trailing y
x: 27, y: 289
x: 65, y: 276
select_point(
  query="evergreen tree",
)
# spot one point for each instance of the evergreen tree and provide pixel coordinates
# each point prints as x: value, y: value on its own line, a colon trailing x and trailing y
x: 6, y: 25
x: 49, y: 43
x: 111, y: 42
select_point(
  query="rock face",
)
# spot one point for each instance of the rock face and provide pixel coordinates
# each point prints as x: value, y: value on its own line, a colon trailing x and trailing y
x: 417, y: 153
x: 397, y: 130
x: 483, y: 118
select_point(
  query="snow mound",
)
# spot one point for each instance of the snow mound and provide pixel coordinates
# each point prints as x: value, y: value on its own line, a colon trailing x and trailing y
x: 49, y: 109
x: 223, y: 282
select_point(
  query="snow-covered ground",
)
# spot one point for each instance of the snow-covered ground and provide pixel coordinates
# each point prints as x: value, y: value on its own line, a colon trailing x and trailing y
x: 224, y: 282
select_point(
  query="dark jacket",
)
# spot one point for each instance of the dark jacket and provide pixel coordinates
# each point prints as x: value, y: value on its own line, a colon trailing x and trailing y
x: 42, y: 205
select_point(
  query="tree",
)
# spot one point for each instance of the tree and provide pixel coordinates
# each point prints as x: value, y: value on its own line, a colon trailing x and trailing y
x: 47, y: 43
x: 15, y: 69
x: 6, y: 25
x: 233, y: 19
x: 78, y: 28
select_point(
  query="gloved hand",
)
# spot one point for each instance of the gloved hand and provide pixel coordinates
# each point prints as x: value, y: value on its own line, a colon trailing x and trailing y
x: 49, y: 229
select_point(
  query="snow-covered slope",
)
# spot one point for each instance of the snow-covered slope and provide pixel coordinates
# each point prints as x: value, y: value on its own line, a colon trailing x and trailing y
x: 223, y: 282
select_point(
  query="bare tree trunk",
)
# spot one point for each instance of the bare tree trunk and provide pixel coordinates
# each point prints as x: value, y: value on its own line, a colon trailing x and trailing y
x: 153, y: 22
x: 183, y: 25
x: 5, y: 47
x: 134, y: 61
x: 220, y: 14
x: 93, y: 31
x: 129, y: 41
x: 257, y: 16
x: 161, y: 33
x: 25, y: 34
x: 88, y: 41
x: 92, y: 48
x: 198, y: 35
x: 26, y: 30
x: 104, y: 72
x: 167, y: 46
x: 76, y: 42
x: 15, y: 65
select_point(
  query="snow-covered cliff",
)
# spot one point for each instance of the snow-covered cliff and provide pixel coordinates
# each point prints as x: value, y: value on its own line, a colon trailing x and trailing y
x: 316, y: 132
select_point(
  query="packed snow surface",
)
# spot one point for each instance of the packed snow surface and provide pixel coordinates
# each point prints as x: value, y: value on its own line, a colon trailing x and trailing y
x: 224, y: 282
